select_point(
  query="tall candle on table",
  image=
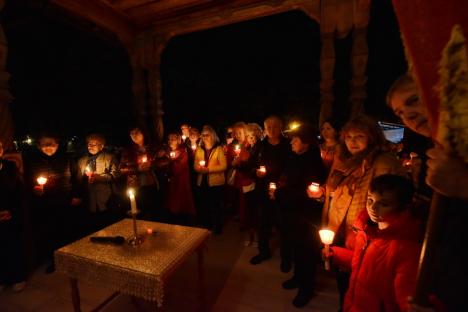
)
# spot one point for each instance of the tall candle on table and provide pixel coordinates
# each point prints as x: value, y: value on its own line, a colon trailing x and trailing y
x: 326, y: 236
x: 133, y: 206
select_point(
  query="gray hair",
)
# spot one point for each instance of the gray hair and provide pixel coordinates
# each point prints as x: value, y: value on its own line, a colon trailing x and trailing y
x: 208, y: 128
x: 255, y: 130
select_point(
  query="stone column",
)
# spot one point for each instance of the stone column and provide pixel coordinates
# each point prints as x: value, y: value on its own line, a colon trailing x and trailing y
x: 6, y: 121
x: 359, y: 56
x: 146, y: 84
x: 327, y: 58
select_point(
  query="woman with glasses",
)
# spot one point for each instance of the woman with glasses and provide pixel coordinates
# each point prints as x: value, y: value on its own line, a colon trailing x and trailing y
x: 210, y: 164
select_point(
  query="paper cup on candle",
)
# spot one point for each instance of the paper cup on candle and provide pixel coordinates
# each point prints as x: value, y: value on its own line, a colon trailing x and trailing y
x: 272, y: 186
x: 326, y: 236
x: 88, y: 171
x: 262, y: 169
x: 41, y: 180
x: 144, y: 158
x: 237, y: 149
x: 184, y: 137
x: 172, y: 154
x: 314, y: 187
x: 202, y: 163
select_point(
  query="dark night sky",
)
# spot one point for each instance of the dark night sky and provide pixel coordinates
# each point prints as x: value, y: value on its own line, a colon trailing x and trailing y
x: 75, y: 81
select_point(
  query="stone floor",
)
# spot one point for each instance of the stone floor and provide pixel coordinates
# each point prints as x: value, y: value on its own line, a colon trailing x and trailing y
x: 232, y: 285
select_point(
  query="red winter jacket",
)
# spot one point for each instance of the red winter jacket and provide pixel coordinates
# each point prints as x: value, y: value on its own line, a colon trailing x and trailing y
x: 383, y: 264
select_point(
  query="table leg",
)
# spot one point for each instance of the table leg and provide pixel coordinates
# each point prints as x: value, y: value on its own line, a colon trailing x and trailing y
x: 75, y: 294
x: 201, y: 276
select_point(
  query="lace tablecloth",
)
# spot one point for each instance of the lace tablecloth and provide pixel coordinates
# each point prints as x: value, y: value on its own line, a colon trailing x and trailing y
x: 138, y: 271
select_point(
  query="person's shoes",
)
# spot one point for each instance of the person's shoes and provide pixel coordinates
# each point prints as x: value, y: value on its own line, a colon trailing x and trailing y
x: 290, y: 284
x: 259, y: 259
x: 302, y: 298
x: 285, y: 266
x: 50, y: 268
x: 19, y: 286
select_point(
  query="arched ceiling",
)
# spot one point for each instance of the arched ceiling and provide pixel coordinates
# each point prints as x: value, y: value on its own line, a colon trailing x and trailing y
x: 128, y: 18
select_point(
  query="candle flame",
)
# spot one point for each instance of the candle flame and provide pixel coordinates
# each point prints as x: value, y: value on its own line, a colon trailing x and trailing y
x: 326, y: 236
x: 144, y: 159
x: 131, y: 193
x: 41, y: 180
x: 294, y: 125
x: 172, y: 154
x: 202, y: 163
x: 272, y: 186
x: 262, y: 169
x: 194, y: 146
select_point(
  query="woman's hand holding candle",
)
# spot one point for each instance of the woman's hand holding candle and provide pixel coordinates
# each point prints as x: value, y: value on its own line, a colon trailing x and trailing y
x: 326, y: 236
x: 41, y: 181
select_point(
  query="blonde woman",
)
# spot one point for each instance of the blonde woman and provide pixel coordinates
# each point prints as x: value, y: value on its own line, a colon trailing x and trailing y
x: 210, y: 164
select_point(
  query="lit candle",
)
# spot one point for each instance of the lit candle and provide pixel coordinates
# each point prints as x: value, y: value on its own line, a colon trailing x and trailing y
x: 326, y: 236
x: 314, y: 187
x: 149, y: 231
x: 194, y: 147
x: 262, y: 169
x: 172, y: 154
x: 202, y: 163
x: 144, y: 158
x: 133, y: 206
x: 272, y: 186
x: 237, y: 149
x: 184, y: 137
x: 41, y: 181
x: 88, y: 171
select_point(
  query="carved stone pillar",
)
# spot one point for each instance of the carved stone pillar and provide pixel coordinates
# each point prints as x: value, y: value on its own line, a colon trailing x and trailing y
x: 327, y: 58
x: 146, y: 85
x: 327, y: 67
x: 359, y: 56
x: 6, y: 121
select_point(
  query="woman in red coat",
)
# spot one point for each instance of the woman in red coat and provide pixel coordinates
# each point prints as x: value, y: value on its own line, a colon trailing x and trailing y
x: 386, y: 251
x: 179, y: 199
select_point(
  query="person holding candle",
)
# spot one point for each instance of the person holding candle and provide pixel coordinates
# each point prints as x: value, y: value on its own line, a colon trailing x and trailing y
x: 12, y: 258
x: 137, y: 165
x: 211, y: 179
x: 362, y: 158
x: 329, y: 137
x: 54, y: 197
x: 274, y: 152
x: 300, y: 214
x: 185, y: 133
x: 100, y: 185
x: 178, y: 200
x: 383, y: 257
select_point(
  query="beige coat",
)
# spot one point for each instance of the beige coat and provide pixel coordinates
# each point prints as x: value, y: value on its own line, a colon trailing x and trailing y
x: 350, y: 195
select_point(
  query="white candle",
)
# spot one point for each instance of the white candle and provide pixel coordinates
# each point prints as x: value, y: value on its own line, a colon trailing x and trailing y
x: 314, y: 187
x: 272, y: 186
x: 144, y: 158
x: 184, y: 137
x: 237, y: 149
x: 172, y: 154
x: 326, y: 236
x: 262, y: 169
x: 41, y: 181
x: 194, y: 147
x: 202, y: 163
x: 133, y: 206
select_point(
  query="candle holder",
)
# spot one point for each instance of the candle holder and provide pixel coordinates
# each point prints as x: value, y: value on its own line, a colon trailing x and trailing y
x: 135, y: 239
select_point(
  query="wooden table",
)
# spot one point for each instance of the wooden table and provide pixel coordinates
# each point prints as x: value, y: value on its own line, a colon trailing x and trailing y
x: 139, y: 271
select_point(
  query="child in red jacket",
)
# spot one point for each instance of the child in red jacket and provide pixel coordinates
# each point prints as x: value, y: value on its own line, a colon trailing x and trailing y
x: 386, y: 251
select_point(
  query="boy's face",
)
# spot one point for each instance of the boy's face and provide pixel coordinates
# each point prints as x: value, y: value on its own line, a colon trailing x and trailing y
x: 95, y: 146
x: 406, y: 104
x: 379, y: 206
x: 48, y: 146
